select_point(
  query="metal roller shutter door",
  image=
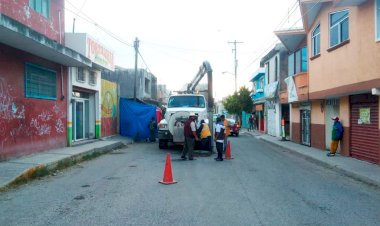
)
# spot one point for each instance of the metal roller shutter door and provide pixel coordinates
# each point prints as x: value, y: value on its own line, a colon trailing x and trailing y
x: 365, y: 137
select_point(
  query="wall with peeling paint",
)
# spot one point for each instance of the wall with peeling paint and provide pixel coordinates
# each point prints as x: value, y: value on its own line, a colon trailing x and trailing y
x: 52, y: 27
x: 28, y: 125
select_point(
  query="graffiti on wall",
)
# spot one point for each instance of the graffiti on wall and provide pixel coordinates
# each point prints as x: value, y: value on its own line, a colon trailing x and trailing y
x: 109, y: 107
x: 22, y: 119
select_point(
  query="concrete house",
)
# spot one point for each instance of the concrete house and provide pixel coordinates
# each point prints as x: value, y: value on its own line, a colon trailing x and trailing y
x: 343, y: 39
x: 33, y: 76
x: 343, y: 76
x: 145, y: 88
x: 90, y: 110
x: 296, y: 91
x: 275, y: 65
x: 258, y: 98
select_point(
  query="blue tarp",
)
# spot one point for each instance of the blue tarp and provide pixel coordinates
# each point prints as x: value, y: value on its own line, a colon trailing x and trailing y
x: 135, y: 118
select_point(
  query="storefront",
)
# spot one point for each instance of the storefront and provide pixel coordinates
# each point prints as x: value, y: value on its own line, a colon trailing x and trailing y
x: 364, y: 127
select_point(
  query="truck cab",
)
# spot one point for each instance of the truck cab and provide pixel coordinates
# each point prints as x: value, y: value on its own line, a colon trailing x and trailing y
x: 171, y: 128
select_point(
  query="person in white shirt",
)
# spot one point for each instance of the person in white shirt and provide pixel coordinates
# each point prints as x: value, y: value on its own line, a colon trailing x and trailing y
x: 219, y: 138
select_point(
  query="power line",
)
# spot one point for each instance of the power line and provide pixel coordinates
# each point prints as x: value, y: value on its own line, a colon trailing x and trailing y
x: 142, y: 58
x: 88, y: 19
x: 267, y: 49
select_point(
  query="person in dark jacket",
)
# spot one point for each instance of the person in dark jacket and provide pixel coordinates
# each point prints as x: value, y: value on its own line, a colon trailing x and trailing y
x: 152, y: 130
x: 190, y: 132
x: 336, y: 136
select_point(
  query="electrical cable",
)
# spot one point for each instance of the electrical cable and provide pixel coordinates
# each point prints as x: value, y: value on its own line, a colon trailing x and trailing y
x: 271, y: 46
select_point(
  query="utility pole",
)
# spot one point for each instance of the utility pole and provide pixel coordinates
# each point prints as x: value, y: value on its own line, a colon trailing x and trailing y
x: 236, y: 62
x: 136, y: 45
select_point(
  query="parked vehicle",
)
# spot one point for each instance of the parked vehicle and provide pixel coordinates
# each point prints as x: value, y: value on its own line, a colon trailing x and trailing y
x: 171, y: 127
x: 234, y: 127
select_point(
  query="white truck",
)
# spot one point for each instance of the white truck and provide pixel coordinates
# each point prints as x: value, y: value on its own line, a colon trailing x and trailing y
x: 171, y: 127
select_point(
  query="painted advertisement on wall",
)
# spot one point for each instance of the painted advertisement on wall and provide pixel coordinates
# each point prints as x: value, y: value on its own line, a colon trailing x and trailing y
x: 109, y: 108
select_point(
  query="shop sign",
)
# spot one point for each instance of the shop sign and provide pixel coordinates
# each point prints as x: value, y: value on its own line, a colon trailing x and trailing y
x: 99, y: 55
x: 364, y: 116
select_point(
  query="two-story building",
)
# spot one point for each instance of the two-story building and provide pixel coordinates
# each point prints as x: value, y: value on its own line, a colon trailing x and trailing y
x: 33, y: 76
x: 258, y: 97
x: 343, y: 39
x: 275, y: 64
x: 92, y: 105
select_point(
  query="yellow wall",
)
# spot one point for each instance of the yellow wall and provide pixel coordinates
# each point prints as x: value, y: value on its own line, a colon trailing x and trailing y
x: 317, y: 116
x: 354, y: 62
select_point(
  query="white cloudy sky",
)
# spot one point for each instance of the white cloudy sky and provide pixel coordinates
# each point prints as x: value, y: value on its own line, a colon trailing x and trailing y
x: 176, y: 36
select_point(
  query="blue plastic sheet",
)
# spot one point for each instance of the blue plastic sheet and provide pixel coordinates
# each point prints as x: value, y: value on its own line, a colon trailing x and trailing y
x: 135, y: 118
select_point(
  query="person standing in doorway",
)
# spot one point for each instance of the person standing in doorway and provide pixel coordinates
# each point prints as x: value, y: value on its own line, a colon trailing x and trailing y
x: 190, y: 132
x: 219, y: 138
x: 336, y: 136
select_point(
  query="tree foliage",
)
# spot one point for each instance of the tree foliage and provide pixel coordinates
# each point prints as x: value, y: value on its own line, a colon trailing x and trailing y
x: 239, y: 102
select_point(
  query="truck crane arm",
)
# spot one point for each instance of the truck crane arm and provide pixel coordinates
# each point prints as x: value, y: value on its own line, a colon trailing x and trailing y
x: 203, y: 69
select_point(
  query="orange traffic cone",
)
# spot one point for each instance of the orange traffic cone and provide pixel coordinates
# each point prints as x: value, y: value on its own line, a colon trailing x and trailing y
x: 168, y: 177
x: 228, y: 151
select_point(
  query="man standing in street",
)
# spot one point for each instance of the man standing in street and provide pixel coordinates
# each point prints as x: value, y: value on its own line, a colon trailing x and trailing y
x: 190, y: 131
x: 336, y: 136
x: 219, y: 138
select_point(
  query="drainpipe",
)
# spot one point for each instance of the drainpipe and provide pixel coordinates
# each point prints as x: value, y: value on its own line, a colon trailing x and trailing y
x: 62, y: 91
x: 60, y: 27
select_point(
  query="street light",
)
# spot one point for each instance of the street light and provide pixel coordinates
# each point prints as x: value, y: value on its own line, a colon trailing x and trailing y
x: 226, y: 72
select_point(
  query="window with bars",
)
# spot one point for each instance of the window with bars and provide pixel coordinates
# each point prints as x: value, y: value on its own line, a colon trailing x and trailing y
x: 40, y: 82
x: 80, y: 75
x: 41, y: 6
x: 92, y: 78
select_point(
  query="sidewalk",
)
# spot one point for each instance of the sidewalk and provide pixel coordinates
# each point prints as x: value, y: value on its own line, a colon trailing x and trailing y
x: 25, y: 167
x: 354, y: 168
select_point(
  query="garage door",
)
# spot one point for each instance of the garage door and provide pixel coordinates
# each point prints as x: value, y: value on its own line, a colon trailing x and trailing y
x: 272, y: 122
x: 364, y: 128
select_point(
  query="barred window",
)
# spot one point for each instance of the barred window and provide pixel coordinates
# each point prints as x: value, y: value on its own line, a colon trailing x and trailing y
x: 92, y: 78
x: 80, y: 75
x: 40, y: 82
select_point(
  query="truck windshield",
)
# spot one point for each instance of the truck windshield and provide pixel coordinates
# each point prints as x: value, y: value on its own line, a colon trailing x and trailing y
x: 186, y: 101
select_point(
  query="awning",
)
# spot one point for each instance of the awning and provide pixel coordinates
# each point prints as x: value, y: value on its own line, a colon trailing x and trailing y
x: 271, y: 90
x: 19, y: 36
x: 292, y: 90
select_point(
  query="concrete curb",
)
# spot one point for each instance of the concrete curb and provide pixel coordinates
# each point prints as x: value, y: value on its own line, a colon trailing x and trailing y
x: 338, y: 169
x: 33, y: 172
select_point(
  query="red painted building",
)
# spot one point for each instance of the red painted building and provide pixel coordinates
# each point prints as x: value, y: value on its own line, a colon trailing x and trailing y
x: 33, y: 76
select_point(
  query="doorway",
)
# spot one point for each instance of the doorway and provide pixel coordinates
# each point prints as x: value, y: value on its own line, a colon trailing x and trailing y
x: 305, y: 127
x: 80, y: 119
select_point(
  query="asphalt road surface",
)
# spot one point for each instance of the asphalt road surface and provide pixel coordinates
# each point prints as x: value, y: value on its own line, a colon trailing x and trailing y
x: 262, y: 185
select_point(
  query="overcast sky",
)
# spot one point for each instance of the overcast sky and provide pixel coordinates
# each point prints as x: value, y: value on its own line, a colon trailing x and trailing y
x: 177, y: 36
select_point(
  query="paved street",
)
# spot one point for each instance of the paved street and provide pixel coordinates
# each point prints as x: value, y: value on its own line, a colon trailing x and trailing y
x: 262, y: 185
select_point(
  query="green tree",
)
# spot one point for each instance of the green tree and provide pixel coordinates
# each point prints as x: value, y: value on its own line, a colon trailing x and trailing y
x: 239, y: 102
